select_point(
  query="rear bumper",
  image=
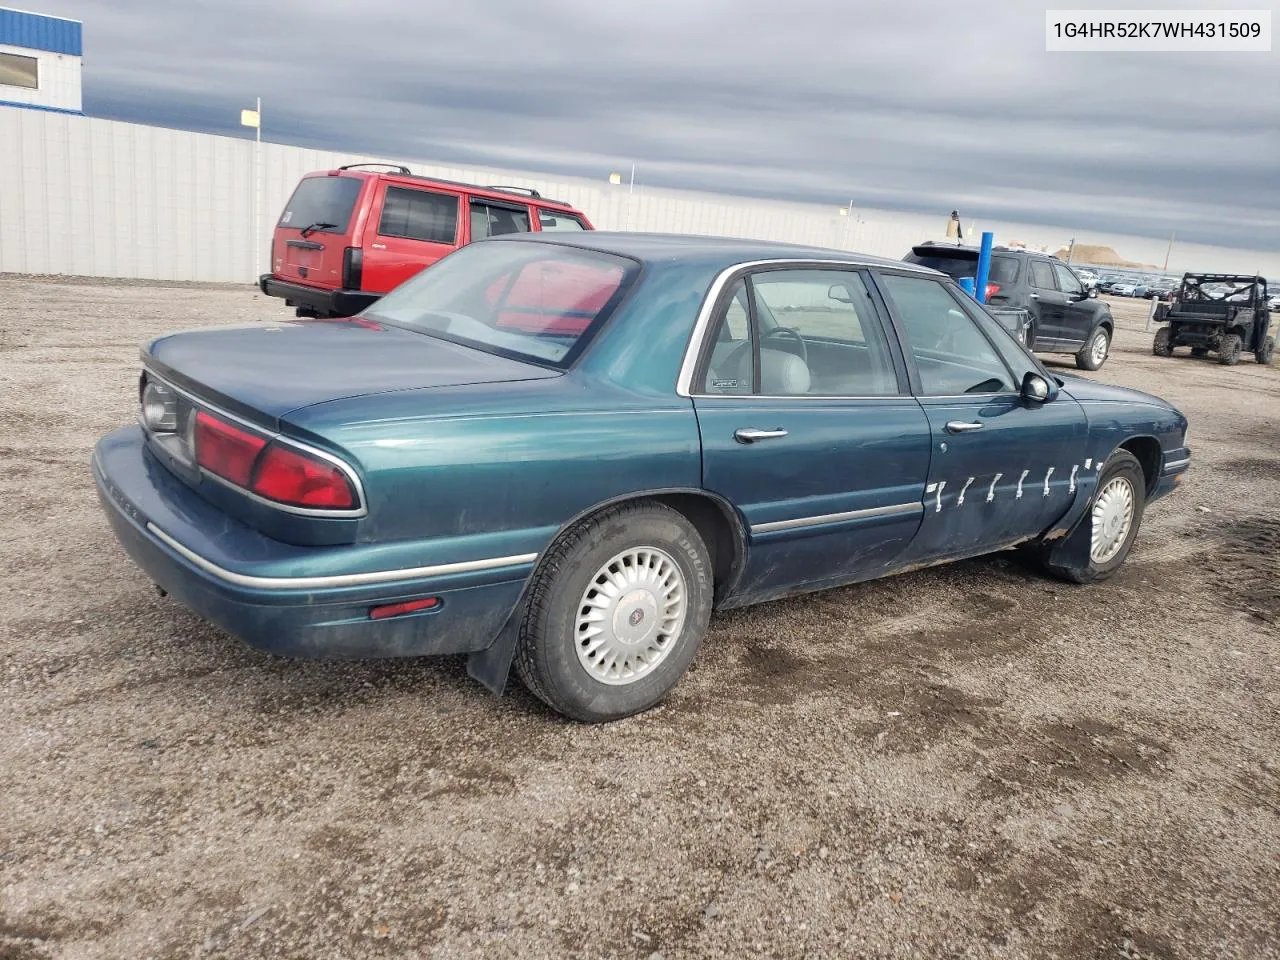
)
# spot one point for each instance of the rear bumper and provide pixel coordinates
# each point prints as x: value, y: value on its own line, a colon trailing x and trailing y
x: 258, y: 590
x: 336, y: 303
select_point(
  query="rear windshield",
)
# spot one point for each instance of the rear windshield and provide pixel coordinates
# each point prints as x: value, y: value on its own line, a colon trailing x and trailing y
x: 964, y: 263
x: 534, y: 301
x: 322, y: 203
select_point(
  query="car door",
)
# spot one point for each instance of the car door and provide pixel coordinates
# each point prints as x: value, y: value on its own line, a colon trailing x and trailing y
x: 415, y: 228
x: 1047, y: 304
x: 1003, y: 468
x: 1078, y: 310
x: 809, y: 429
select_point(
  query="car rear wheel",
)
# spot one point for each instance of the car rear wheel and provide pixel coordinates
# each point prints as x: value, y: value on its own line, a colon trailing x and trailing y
x: 1229, y: 350
x: 1094, y: 353
x: 1267, y: 352
x: 617, y: 611
x: 1161, y: 346
x: 1097, y: 547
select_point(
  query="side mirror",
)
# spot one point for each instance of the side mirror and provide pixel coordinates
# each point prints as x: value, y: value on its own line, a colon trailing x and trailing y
x: 838, y: 293
x: 1036, y: 389
x: 1093, y: 293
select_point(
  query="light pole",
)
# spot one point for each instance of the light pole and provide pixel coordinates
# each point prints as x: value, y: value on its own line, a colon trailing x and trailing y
x: 253, y: 118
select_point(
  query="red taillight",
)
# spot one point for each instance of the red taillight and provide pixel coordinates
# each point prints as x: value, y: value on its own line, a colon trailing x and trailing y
x: 992, y: 290
x: 271, y: 470
x: 226, y: 450
x: 289, y: 476
x: 400, y: 609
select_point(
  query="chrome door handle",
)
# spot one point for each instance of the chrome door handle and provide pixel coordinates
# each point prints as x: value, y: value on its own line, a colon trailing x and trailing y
x: 751, y: 435
x: 960, y: 426
x: 1033, y: 296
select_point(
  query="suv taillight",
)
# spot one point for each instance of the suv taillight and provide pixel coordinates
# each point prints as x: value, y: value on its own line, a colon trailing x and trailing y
x: 992, y: 290
x: 352, y: 268
x: 270, y: 469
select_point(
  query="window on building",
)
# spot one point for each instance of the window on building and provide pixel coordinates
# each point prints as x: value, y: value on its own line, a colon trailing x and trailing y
x: 16, y: 71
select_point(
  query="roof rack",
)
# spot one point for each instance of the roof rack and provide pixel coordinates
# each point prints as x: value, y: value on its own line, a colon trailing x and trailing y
x: 527, y: 191
x: 398, y: 167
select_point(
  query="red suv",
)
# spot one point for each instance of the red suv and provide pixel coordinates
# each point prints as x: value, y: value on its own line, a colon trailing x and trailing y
x: 348, y: 236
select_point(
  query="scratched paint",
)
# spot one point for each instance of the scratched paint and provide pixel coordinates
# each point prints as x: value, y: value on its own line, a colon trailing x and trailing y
x: 1074, y: 467
x: 1020, y: 479
x: 963, y: 491
x: 1046, y: 481
x: 991, y: 493
x: 938, y: 507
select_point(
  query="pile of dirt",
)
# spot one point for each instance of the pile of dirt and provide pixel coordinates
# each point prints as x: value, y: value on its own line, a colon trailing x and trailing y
x: 1100, y: 256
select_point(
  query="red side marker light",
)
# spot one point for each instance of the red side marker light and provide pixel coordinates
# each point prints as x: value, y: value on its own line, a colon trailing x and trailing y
x: 399, y: 609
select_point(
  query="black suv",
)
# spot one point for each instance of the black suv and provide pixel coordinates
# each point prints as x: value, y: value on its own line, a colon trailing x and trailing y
x: 1065, y: 317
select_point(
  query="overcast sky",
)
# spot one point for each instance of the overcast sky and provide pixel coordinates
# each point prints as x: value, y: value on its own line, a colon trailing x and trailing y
x: 915, y: 105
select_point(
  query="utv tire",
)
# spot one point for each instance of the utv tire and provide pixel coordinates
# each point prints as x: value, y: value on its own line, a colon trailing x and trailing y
x: 1094, y: 353
x: 1229, y: 349
x: 1267, y: 352
x: 1118, y: 500
x: 1160, y: 346
x: 617, y: 611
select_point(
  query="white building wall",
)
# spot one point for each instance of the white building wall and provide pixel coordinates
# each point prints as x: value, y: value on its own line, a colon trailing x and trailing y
x: 89, y: 197
x: 58, y: 75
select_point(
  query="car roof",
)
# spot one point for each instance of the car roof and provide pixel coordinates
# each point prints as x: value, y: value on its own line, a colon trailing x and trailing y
x: 720, y: 252
x: 417, y: 180
x: 940, y: 249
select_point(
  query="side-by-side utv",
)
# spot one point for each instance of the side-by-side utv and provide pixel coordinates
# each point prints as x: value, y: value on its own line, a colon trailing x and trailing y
x: 1224, y: 313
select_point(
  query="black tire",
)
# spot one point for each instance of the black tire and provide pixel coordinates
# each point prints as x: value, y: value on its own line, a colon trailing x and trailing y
x: 1100, y: 342
x: 1161, y: 346
x: 1267, y: 353
x: 1071, y: 558
x: 1229, y: 349
x: 546, y: 658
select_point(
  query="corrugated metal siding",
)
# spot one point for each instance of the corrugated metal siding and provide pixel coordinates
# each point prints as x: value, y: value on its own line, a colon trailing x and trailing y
x: 35, y: 32
x: 88, y: 197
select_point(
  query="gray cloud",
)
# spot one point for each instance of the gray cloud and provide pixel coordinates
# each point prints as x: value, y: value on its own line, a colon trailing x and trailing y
x: 910, y: 105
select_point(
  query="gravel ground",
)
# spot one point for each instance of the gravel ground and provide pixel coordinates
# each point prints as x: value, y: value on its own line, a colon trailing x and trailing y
x: 970, y: 761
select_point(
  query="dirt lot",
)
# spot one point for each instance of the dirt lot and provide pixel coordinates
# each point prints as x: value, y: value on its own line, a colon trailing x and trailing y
x: 970, y: 761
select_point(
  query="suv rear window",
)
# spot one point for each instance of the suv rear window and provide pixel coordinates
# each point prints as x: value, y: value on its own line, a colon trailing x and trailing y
x: 327, y: 200
x: 964, y: 263
x: 550, y: 220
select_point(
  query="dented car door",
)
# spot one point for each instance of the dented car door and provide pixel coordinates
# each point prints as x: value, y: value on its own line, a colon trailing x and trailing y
x: 1002, y: 469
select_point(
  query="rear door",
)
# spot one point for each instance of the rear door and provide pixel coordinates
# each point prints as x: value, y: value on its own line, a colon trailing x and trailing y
x: 808, y: 427
x: 1047, y: 304
x: 1002, y: 469
x: 412, y: 228
x: 315, y: 229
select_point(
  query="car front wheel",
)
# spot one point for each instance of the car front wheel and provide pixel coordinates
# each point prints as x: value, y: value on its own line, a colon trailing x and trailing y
x: 1229, y: 349
x: 617, y: 612
x: 1096, y: 549
x: 1161, y: 346
x: 1094, y: 353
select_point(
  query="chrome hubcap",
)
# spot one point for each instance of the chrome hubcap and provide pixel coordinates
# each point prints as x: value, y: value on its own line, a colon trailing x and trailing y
x: 630, y: 616
x: 1100, y: 348
x: 1112, y: 518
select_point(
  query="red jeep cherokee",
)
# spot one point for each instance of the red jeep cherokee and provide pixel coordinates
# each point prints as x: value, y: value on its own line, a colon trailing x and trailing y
x: 348, y: 236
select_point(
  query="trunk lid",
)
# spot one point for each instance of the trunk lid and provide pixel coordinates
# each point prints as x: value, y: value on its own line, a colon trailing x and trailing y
x: 262, y: 372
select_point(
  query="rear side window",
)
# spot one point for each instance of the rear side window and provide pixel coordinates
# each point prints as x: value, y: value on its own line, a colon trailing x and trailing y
x: 551, y: 220
x: 322, y: 203
x: 492, y: 220
x: 1042, y: 275
x: 419, y: 215
x: 1004, y: 269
